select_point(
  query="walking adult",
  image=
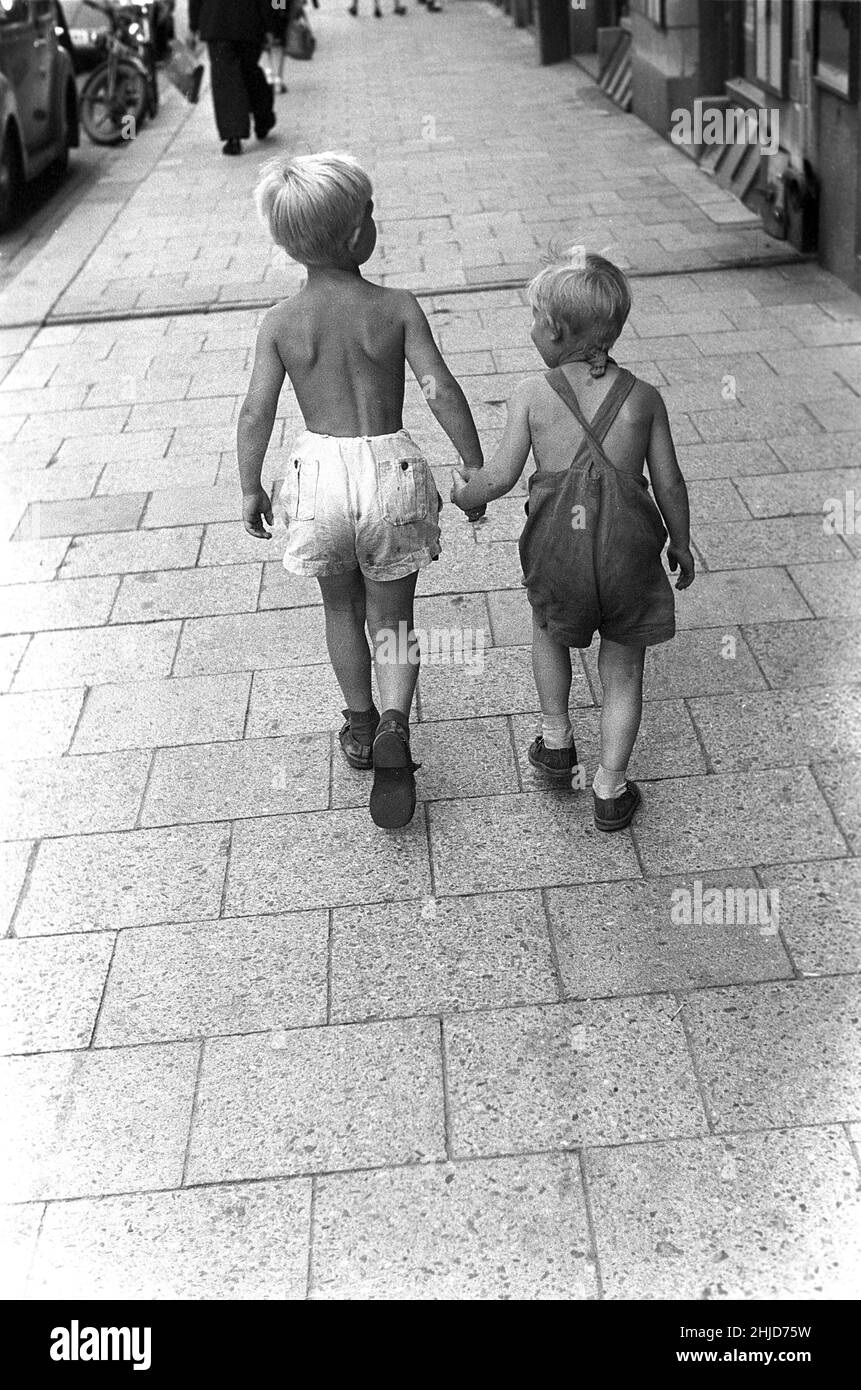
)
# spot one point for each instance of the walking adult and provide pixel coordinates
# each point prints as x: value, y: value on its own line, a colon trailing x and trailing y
x: 235, y: 32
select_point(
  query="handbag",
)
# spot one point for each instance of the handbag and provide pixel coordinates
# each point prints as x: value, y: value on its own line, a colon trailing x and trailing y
x: 300, y: 40
x: 184, y: 71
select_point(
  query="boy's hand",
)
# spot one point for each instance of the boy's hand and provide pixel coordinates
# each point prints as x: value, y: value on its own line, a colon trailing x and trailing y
x: 256, y: 508
x: 681, y: 559
x: 460, y: 494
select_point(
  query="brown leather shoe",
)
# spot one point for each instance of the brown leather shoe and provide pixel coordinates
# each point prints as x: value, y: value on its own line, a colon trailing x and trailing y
x: 616, y: 812
x: 393, y: 795
x: 357, y: 742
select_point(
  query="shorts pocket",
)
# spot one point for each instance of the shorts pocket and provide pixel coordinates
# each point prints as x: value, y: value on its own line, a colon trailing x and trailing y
x: 302, y: 489
x: 403, y: 485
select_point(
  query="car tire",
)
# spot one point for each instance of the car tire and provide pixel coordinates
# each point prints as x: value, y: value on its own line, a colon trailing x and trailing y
x: 70, y: 119
x: 11, y: 182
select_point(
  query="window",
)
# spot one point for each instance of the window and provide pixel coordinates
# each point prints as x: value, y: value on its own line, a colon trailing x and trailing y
x: 836, y: 38
x: 766, y: 40
x: 655, y: 11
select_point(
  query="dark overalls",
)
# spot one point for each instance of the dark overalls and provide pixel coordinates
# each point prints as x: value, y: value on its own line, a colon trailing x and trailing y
x: 591, y: 547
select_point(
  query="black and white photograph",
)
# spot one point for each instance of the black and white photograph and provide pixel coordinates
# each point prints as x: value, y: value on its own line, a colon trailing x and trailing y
x: 430, y: 663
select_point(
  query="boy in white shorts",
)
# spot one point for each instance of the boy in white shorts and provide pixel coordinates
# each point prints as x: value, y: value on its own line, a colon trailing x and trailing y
x: 360, y: 501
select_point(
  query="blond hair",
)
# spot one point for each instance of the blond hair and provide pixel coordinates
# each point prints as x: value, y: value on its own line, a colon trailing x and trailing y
x: 312, y: 203
x: 585, y: 294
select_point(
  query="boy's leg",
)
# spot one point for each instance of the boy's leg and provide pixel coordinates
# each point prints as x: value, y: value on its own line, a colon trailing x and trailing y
x: 621, y: 670
x: 390, y: 622
x: 553, y: 750
x: 344, y: 607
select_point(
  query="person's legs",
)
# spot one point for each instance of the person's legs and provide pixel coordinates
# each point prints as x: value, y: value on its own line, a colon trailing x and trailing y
x: 349, y: 653
x: 389, y: 605
x: 621, y: 671
x: 390, y: 623
x: 553, y: 751
x: 258, y: 91
x: 229, y: 96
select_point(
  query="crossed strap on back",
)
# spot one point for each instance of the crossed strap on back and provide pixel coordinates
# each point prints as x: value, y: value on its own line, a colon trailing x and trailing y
x: 594, y: 431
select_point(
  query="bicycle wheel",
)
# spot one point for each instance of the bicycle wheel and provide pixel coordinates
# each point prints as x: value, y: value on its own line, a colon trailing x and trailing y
x: 152, y: 93
x: 106, y: 107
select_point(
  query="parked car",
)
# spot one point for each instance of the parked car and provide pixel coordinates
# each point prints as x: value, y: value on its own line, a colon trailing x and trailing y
x: 38, y: 99
x: 88, y: 29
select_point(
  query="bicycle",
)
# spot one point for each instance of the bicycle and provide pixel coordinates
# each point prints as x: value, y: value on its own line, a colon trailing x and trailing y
x: 123, y: 90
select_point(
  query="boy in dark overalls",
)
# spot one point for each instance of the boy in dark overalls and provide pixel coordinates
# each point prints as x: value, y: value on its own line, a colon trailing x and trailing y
x: 591, y: 547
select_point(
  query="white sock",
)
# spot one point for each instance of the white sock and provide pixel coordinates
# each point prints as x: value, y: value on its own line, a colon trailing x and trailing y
x: 556, y: 731
x: 609, y: 782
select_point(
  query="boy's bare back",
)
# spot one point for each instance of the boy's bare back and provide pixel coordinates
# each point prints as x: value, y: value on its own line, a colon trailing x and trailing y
x: 554, y: 432
x: 344, y: 352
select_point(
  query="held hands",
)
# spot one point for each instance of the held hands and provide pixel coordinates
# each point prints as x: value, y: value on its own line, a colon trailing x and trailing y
x: 680, y: 558
x: 257, y: 508
x: 469, y: 493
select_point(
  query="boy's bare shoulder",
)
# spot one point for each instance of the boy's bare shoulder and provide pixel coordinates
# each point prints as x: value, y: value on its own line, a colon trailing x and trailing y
x: 647, y: 397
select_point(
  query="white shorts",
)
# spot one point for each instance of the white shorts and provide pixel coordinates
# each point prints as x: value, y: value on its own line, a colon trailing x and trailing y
x: 368, y: 503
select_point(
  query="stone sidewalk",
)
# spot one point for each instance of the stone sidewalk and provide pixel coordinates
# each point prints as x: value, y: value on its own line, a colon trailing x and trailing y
x: 256, y: 1048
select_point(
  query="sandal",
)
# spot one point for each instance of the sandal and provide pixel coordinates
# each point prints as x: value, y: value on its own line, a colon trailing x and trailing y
x: 359, y: 750
x: 393, y: 795
x: 616, y: 812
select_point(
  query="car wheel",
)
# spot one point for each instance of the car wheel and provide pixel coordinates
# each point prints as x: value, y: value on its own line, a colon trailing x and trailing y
x: 11, y: 182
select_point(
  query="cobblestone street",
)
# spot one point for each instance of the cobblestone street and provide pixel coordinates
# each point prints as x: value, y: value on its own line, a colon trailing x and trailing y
x: 255, y: 1047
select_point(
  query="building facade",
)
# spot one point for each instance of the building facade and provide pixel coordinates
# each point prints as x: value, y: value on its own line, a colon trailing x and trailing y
x: 763, y: 93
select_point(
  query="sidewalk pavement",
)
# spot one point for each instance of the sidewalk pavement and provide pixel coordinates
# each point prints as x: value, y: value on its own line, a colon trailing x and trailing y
x: 257, y: 1048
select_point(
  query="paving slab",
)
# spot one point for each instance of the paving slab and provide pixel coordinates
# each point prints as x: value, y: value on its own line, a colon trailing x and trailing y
x: 93, y: 656
x: 831, y: 590
x: 778, y: 1054
x: 11, y: 651
x: 64, y: 603
x: 160, y: 713
x: 251, y: 641
x: 778, y: 728
x: 315, y: 1100
x: 758, y: 1216
x: 527, y: 841
x: 284, y: 863
x: 39, y: 724
x: 437, y: 955
x: 84, y: 515
x: 795, y: 655
x: 236, y: 1241
x: 303, y: 699
x: 188, y: 593
x: 820, y: 914
x: 801, y: 493
x: 513, y: 1228
x: 630, y: 938
x: 19, y: 1227
x: 730, y: 596
x: 563, y: 1075
x: 254, y: 777
x: 128, y: 552
x: 103, y: 882
x: 240, y: 975
x: 58, y: 796
x: 701, y: 822
x: 91, y: 1123
x: 28, y: 561
x: 768, y: 541
x: 51, y: 991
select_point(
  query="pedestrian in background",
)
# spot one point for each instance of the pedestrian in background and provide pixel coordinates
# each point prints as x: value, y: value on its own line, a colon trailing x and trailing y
x: 378, y: 14
x: 235, y: 32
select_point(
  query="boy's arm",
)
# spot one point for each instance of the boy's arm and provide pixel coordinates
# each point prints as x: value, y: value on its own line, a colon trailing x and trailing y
x: 507, y: 464
x: 671, y: 493
x: 254, y: 430
x: 442, y: 393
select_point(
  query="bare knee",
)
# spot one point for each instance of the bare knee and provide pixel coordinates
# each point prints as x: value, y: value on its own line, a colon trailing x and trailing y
x: 344, y: 595
x: 620, y: 664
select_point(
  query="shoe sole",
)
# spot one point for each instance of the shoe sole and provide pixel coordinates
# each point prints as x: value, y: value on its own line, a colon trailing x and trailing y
x: 609, y: 826
x: 393, y: 795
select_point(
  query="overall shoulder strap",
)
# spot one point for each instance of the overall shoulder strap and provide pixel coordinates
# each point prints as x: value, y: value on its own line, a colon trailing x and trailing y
x: 595, y: 431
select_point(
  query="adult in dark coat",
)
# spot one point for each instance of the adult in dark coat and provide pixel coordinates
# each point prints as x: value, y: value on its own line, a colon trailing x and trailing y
x: 235, y: 31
